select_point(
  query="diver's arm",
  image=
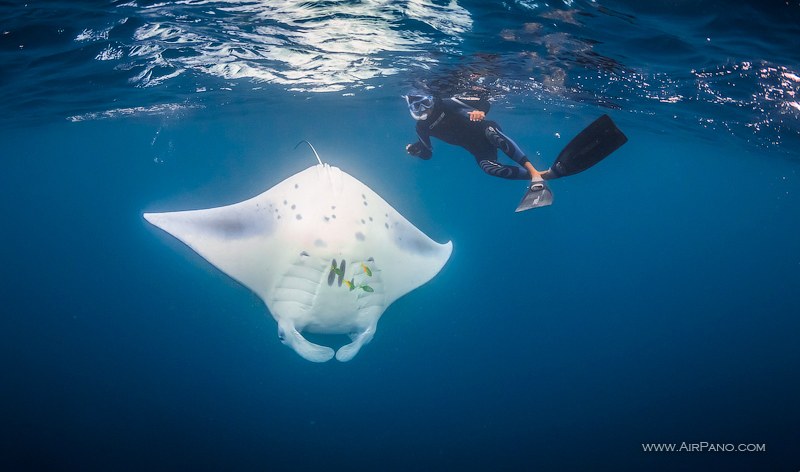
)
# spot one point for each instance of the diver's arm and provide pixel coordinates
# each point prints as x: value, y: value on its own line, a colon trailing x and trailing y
x: 474, y: 108
x: 422, y: 148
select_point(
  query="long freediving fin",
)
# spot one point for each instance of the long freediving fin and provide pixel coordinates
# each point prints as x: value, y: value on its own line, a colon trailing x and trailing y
x: 589, y: 147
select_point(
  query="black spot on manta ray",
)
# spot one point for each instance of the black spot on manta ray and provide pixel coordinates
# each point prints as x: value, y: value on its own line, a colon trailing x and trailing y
x: 235, y: 228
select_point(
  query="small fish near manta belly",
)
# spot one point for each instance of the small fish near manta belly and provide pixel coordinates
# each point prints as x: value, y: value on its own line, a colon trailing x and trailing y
x: 282, y: 244
x: 338, y: 308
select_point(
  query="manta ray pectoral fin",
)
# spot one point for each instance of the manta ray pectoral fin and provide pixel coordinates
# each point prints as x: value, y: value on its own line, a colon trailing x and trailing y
x: 289, y: 335
x: 349, y: 351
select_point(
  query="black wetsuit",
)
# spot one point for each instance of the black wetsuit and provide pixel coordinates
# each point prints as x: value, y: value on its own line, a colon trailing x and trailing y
x: 449, y: 121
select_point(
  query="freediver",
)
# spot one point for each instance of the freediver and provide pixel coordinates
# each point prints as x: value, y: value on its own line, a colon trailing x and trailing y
x: 460, y: 121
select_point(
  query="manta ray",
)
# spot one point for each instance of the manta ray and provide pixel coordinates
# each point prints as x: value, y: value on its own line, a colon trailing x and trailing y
x: 323, y: 251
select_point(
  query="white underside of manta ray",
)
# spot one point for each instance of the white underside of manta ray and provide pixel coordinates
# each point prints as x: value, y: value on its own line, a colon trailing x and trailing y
x: 324, y: 252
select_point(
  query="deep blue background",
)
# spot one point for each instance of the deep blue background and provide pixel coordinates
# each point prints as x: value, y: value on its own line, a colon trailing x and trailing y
x: 656, y: 301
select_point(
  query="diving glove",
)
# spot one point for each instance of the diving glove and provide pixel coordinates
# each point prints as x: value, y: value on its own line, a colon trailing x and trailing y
x: 419, y: 150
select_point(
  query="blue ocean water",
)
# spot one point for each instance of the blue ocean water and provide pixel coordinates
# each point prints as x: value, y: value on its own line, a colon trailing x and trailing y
x: 656, y: 301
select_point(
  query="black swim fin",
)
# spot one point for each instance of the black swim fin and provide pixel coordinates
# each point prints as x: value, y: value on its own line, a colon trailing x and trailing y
x: 589, y: 147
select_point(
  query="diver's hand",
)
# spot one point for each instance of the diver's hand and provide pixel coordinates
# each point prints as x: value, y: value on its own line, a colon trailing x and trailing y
x: 418, y: 150
x: 476, y: 115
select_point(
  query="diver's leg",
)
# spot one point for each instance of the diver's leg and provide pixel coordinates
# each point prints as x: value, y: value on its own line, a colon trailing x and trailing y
x: 496, y: 169
x: 505, y: 144
x: 498, y: 139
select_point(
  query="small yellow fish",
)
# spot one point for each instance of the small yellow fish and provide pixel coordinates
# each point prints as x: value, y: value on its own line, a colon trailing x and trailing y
x: 366, y: 269
x: 350, y: 284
